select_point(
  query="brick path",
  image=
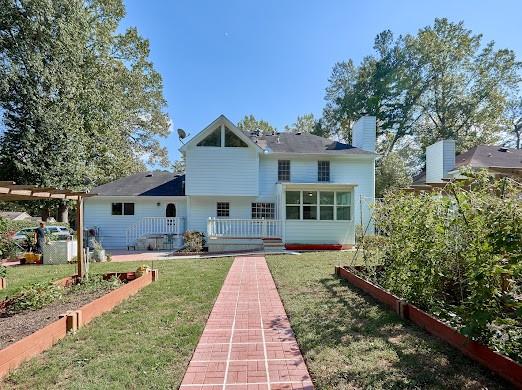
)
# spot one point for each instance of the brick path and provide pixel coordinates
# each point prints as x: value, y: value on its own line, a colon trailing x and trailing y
x: 248, y: 342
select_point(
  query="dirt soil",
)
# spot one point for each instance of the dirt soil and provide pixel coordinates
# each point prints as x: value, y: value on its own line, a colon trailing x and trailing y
x: 18, y: 326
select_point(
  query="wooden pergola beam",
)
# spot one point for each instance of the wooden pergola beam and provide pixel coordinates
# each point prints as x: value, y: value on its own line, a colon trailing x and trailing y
x: 10, y: 191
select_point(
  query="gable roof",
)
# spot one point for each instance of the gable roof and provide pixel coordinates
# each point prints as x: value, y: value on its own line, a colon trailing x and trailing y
x: 305, y: 143
x: 483, y: 156
x: 220, y: 120
x: 144, y: 184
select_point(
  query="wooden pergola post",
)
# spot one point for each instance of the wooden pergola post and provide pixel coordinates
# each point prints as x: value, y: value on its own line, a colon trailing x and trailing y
x: 79, y: 237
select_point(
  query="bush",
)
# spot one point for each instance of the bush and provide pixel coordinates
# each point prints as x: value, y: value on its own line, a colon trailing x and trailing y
x: 3, y: 271
x: 8, y: 248
x: 458, y: 256
x: 194, y: 241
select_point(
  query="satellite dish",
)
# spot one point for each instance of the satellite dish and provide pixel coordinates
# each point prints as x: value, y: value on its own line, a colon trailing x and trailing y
x: 182, y: 135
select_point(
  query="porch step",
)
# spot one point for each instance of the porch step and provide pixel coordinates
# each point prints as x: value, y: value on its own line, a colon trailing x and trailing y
x: 273, y: 245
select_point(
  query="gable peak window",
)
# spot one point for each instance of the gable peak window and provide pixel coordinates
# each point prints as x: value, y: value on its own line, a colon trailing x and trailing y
x: 213, y: 139
x: 232, y: 140
x: 283, y: 170
x: 323, y: 170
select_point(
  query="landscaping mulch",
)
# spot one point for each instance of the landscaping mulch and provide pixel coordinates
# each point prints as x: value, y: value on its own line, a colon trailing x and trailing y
x: 20, y: 325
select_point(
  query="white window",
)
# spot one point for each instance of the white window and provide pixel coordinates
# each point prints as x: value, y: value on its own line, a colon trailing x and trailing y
x: 223, y: 209
x: 232, y: 140
x: 263, y: 211
x: 223, y: 136
x: 283, y: 170
x: 323, y: 170
x: 123, y: 209
x: 322, y: 205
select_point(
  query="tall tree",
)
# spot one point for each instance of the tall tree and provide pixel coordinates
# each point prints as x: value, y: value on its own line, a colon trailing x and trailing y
x: 81, y: 103
x: 514, y: 120
x: 440, y: 83
x: 250, y: 123
x: 304, y: 124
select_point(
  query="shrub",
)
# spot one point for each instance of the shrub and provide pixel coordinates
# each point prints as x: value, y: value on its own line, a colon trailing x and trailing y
x: 8, y: 248
x: 3, y: 271
x: 457, y: 255
x: 194, y: 241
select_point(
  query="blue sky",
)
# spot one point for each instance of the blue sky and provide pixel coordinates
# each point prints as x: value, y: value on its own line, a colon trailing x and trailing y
x: 272, y: 58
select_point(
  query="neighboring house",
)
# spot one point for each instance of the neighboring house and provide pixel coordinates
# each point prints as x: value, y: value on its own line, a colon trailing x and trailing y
x: 442, y: 164
x: 245, y: 191
x: 15, y: 215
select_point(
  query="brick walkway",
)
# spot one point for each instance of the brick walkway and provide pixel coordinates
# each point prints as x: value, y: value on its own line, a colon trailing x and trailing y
x: 248, y: 342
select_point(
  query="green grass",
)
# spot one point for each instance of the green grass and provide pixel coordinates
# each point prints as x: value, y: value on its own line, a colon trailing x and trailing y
x: 350, y: 341
x: 146, y: 342
x: 20, y: 276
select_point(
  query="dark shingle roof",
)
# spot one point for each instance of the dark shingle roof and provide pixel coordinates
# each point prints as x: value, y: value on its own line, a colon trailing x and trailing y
x: 287, y: 142
x: 483, y: 156
x: 145, y: 184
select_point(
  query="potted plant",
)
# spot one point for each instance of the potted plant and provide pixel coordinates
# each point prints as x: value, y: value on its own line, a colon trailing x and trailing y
x: 142, y: 269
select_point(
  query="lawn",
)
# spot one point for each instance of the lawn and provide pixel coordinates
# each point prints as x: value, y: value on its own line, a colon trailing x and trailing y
x: 146, y: 342
x: 351, y: 341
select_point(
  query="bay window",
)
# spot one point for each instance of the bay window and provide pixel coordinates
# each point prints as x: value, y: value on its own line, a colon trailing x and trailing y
x: 319, y: 205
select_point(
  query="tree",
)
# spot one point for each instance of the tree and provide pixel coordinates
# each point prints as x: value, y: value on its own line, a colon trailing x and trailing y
x: 514, y: 119
x: 81, y: 103
x: 304, y: 124
x: 391, y: 173
x: 440, y: 83
x: 250, y: 123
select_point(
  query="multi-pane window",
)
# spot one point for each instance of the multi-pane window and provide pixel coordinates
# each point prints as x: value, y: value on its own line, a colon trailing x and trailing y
x: 309, y: 204
x: 263, y: 211
x: 283, y: 170
x: 123, y: 209
x: 223, y: 209
x: 323, y: 170
x: 322, y: 205
x: 213, y: 139
x: 293, y: 204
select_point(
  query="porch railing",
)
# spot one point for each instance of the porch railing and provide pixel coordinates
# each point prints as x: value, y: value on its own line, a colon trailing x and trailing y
x: 155, y: 225
x: 244, y: 228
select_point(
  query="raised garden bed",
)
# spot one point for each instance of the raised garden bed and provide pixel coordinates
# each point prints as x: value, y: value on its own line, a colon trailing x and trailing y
x: 28, y: 333
x: 500, y: 364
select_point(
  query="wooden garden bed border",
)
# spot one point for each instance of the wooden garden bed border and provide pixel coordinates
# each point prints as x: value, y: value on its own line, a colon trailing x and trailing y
x: 12, y: 356
x: 500, y: 364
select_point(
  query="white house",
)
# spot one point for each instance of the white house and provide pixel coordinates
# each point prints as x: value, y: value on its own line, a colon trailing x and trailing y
x: 245, y: 191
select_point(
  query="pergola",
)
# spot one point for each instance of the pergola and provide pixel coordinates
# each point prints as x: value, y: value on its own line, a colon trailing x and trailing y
x: 10, y: 191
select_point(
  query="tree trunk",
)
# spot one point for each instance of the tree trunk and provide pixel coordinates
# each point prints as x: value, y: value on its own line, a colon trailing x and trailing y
x: 45, y: 214
x: 63, y: 213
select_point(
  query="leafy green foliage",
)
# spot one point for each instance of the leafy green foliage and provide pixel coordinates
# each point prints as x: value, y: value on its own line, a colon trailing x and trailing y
x: 442, y: 82
x: 250, y: 123
x: 391, y: 174
x: 96, y: 283
x: 3, y: 271
x: 82, y: 104
x: 304, y: 124
x: 458, y: 256
x: 33, y: 297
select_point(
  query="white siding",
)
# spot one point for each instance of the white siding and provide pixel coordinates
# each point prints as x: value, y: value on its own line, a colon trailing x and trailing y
x: 267, y: 178
x: 113, y: 228
x: 319, y: 232
x: 222, y: 171
x: 364, y: 133
x: 201, y: 208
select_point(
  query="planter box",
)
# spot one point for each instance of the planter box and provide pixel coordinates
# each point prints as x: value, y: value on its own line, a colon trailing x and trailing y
x: 59, y: 252
x: 15, y: 354
x: 500, y: 364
